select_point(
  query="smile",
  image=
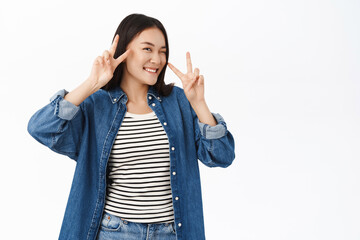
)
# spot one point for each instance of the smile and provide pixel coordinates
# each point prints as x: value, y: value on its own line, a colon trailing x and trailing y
x: 151, y: 70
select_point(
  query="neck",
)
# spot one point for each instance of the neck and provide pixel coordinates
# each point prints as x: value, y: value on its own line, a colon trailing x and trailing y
x: 135, y: 91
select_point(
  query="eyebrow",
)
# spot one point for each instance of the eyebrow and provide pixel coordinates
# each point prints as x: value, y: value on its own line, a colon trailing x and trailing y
x: 151, y: 44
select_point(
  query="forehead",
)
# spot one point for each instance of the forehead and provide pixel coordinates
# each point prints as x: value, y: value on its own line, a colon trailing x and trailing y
x: 152, y: 35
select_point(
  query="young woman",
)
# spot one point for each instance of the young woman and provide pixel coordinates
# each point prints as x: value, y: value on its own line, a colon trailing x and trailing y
x: 136, y: 141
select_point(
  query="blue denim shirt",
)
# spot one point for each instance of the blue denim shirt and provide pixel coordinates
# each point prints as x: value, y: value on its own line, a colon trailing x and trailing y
x: 86, y: 133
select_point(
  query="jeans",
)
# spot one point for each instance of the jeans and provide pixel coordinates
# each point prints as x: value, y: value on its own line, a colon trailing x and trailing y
x: 113, y: 227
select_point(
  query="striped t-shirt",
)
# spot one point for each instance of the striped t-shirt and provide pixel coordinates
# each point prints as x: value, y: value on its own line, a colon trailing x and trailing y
x: 138, y: 188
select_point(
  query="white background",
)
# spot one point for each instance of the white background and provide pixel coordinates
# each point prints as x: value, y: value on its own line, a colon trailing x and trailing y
x: 283, y: 74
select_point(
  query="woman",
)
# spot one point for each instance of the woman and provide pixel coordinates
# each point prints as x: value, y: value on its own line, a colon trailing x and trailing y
x: 135, y: 140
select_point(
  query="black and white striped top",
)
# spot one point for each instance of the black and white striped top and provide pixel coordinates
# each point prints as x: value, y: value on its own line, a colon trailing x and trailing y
x: 138, y: 188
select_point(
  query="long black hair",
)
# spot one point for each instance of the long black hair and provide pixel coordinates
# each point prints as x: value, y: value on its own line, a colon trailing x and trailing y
x: 130, y: 27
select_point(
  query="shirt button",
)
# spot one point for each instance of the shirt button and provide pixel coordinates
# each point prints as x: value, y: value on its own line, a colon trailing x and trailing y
x: 179, y: 224
x: 174, y: 173
x: 176, y: 198
x: 173, y: 148
x: 153, y: 104
x: 165, y: 123
x: 150, y: 97
x: 114, y: 99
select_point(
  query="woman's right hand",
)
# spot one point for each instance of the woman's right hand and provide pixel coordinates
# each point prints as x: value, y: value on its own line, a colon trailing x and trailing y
x: 105, y: 65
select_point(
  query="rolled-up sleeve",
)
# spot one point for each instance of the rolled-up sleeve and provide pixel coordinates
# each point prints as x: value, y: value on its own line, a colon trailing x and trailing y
x: 63, y: 108
x: 59, y: 125
x: 215, y: 144
x: 213, y: 132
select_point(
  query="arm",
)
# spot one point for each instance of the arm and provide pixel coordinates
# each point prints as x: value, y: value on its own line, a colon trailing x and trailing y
x: 215, y: 145
x: 202, y: 111
x: 58, y: 125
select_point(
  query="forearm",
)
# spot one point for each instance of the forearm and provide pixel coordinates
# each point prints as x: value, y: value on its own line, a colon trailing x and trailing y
x: 84, y: 90
x: 203, y: 113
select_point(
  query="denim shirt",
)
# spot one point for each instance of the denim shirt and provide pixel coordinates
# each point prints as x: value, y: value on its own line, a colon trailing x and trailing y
x: 86, y: 133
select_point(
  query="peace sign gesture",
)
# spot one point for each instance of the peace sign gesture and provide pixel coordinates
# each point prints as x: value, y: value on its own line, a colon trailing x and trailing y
x: 105, y: 65
x: 193, y: 83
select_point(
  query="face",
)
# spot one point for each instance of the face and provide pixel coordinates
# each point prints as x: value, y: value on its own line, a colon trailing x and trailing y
x: 147, y: 58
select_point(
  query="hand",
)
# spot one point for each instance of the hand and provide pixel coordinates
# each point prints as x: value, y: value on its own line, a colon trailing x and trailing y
x: 105, y: 65
x: 193, y: 83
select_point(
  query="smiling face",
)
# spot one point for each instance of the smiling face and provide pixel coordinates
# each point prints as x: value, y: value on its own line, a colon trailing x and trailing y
x: 147, y: 58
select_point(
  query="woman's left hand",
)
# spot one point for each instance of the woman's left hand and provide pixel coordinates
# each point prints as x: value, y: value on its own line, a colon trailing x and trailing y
x: 193, y: 83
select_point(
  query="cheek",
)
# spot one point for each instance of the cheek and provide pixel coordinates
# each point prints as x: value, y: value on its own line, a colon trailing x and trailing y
x: 163, y: 60
x: 134, y: 61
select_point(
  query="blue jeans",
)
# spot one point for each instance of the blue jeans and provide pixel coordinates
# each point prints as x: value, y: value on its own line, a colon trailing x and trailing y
x: 113, y: 227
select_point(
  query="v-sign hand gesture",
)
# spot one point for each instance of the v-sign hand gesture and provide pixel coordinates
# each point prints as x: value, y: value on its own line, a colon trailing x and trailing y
x: 105, y: 65
x: 193, y: 83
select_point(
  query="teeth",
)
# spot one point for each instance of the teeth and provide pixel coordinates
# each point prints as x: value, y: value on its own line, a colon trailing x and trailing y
x: 150, y: 70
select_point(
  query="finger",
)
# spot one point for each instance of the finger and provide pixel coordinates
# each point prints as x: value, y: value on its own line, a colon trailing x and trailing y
x: 114, y: 45
x: 122, y: 57
x: 196, y: 72
x: 190, y: 85
x: 106, y: 56
x: 176, y: 71
x: 96, y: 62
x: 201, y: 80
x: 99, y: 59
x: 188, y: 62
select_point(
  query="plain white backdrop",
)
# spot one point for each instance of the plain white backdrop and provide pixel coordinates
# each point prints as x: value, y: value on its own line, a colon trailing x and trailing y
x: 283, y: 74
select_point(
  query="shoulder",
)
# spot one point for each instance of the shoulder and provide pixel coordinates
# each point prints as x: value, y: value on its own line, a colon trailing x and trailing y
x: 97, y: 96
x: 177, y: 92
x: 178, y: 95
x: 101, y: 93
x: 179, y: 99
x: 98, y: 99
x: 178, y: 89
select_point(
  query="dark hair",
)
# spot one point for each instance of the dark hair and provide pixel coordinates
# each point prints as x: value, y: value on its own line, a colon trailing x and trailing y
x: 129, y: 28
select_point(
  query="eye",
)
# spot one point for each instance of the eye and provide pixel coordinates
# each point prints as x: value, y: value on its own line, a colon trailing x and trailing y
x: 146, y: 48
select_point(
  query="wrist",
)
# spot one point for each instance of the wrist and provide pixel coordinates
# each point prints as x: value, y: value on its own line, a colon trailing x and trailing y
x: 198, y: 104
x: 92, y: 85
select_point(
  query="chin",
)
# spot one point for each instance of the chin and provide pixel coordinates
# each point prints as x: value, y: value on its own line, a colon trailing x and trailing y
x: 151, y: 82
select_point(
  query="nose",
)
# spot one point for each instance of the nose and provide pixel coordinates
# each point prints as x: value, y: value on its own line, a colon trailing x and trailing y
x: 155, y: 59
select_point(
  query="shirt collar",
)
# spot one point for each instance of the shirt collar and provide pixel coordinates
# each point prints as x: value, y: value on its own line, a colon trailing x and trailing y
x: 117, y: 93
